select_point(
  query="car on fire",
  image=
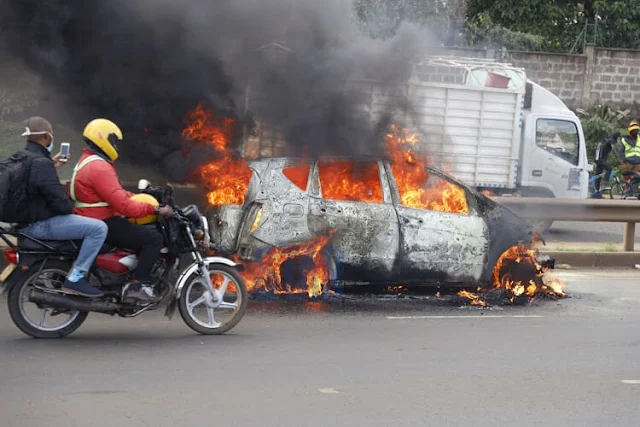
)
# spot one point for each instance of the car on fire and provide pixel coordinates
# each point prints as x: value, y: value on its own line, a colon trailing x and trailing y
x: 386, y: 225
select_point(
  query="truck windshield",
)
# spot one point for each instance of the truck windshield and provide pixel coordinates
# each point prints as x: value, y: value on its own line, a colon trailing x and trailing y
x: 559, y: 137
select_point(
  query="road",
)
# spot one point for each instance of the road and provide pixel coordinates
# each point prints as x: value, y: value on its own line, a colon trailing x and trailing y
x: 349, y: 362
x: 602, y: 232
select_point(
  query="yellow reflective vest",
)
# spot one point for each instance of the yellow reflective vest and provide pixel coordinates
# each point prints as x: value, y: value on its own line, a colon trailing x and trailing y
x: 630, y: 150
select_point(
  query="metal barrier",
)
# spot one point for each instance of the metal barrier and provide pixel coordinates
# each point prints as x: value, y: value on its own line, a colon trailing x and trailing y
x: 594, y: 210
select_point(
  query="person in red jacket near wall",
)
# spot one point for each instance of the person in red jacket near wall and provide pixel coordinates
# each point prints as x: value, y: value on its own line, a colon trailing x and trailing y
x: 97, y: 193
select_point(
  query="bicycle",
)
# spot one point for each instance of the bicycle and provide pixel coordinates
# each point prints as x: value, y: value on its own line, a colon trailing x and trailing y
x: 623, y: 189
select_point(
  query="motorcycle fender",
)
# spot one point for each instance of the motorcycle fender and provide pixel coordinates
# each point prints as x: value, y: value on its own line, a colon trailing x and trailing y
x: 193, y: 268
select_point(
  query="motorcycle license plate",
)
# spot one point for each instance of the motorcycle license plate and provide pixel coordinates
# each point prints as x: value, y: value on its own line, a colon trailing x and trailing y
x: 7, y: 272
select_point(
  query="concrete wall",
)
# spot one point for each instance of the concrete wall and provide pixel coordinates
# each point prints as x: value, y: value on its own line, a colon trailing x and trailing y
x: 598, y: 75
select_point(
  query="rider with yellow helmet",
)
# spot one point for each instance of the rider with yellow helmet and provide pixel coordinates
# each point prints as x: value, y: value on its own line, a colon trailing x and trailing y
x: 97, y: 193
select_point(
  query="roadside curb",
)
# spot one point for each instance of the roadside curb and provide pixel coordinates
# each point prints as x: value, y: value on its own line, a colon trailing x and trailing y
x: 595, y: 259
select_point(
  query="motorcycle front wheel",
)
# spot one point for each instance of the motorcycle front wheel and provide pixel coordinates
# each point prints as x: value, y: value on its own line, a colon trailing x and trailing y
x: 198, y: 307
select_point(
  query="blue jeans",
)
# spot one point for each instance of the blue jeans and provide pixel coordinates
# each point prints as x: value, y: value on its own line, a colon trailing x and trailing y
x: 72, y: 227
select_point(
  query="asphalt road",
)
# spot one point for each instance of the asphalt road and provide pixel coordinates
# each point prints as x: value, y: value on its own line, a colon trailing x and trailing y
x: 603, y: 232
x: 347, y: 362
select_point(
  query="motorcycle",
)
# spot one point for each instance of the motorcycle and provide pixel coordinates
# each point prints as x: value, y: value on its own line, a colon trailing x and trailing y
x: 208, y: 291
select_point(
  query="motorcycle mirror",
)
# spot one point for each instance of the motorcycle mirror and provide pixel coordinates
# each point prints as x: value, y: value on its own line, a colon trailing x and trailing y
x: 143, y: 184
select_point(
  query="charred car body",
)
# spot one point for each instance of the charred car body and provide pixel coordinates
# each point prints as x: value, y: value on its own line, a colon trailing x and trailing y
x: 384, y: 228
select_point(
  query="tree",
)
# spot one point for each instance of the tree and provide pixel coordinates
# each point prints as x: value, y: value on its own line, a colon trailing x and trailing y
x: 381, y: 18
x: 558, y: 25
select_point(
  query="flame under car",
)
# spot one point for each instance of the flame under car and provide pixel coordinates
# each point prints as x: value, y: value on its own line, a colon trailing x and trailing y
x: 376, y: 225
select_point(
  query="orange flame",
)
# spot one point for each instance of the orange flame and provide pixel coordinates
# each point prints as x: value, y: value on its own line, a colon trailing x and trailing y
x: 474, y: 299
x: 227, y: 178
x: 417, y: 188
x: 513, y: 267
x: 267, y: 274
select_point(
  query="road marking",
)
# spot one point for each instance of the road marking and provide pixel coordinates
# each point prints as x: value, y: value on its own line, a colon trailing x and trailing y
x: 329, y: 390
x: 532, y: 316
x: 630, y: 381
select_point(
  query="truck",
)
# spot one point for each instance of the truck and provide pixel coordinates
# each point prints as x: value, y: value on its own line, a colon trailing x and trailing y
x: 491, y: 127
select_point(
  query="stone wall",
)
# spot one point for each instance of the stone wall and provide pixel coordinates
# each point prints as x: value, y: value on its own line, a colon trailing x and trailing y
x: 598, y: 75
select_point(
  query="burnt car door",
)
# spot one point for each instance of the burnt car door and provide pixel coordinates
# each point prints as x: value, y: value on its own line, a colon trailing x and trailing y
x: 443, y: 238
x: 352, y: 199
x: 275, y: 213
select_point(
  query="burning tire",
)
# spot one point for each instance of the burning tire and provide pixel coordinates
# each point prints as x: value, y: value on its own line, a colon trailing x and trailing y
x: 20, y: 308
x: 199, y: 308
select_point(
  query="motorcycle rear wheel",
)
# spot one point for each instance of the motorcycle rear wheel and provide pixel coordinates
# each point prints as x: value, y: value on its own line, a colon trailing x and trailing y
x: 51, y: 276
x: 196, y: 294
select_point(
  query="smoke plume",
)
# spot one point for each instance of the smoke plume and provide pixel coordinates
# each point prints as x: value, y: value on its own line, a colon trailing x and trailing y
x: 145, y: 63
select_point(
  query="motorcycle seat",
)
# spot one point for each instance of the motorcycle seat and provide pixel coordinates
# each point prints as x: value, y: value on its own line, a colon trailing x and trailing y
x: 631, y: 173
x: 67, y: 246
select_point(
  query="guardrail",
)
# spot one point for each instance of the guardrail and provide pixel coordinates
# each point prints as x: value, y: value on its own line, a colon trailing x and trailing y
x: 594, y: 210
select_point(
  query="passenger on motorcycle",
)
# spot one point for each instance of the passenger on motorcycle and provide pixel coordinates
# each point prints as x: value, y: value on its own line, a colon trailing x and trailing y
x: 97, y: 193
x: 48, y: 215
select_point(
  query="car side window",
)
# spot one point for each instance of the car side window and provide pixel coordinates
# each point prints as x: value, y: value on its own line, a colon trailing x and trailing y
x: 354, y: 181
x: 298, y: 175
x: 560, y: 138
x: 426, y: 190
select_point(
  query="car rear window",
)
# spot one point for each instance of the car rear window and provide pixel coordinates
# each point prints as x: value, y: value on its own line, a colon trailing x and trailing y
x: 354, y: 181
x: 298, y: 175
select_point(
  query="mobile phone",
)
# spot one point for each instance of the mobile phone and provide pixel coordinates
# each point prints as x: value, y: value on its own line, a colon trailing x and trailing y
x: 65, y: 147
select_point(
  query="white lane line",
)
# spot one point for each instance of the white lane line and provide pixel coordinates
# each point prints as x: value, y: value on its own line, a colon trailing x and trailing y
x: 532, y: 316
x: 630, y: 381
x: 329, y: 390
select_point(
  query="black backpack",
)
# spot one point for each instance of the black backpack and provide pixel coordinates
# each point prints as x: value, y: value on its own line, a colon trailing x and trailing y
x: 14, y: 187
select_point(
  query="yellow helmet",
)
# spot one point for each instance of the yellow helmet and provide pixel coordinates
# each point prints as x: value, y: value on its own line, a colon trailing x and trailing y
x: 149, y: 199
x: 104, y: 134
x: 633, y: 126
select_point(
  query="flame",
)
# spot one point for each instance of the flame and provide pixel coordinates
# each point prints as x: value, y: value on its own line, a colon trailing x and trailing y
x: 522, y: 260
x: 474, y: 299
x: 418, y: 189
x: 266, y: 275
x: 226, y: 178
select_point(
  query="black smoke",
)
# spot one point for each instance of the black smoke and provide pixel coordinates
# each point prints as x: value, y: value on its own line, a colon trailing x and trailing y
x: 145, y: 63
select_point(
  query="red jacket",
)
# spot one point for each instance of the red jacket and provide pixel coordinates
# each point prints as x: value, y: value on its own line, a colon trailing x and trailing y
x: 98, y: 182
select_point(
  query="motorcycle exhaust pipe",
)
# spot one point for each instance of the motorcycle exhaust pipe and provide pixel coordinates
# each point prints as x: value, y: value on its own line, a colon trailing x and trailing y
x: 70, y: 302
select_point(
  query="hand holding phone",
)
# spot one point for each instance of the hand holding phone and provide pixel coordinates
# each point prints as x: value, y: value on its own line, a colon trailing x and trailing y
x: 65, y: 148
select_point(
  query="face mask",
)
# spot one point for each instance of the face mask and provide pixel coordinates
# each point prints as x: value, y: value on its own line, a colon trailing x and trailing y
x: 27, y: 132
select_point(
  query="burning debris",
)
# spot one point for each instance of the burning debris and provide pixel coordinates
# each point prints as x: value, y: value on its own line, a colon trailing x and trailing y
x: 519, y: 275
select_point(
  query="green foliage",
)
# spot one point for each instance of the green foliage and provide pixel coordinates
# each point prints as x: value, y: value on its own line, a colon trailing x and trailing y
x: 600, y: 122
x: 481, y: 31
x: 539, y: 25
x: 620, y: 23
x: 381, y: 18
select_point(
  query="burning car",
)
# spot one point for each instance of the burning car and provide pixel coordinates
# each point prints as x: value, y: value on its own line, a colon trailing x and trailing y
x: 381, y: 227
x: 299, y: 224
